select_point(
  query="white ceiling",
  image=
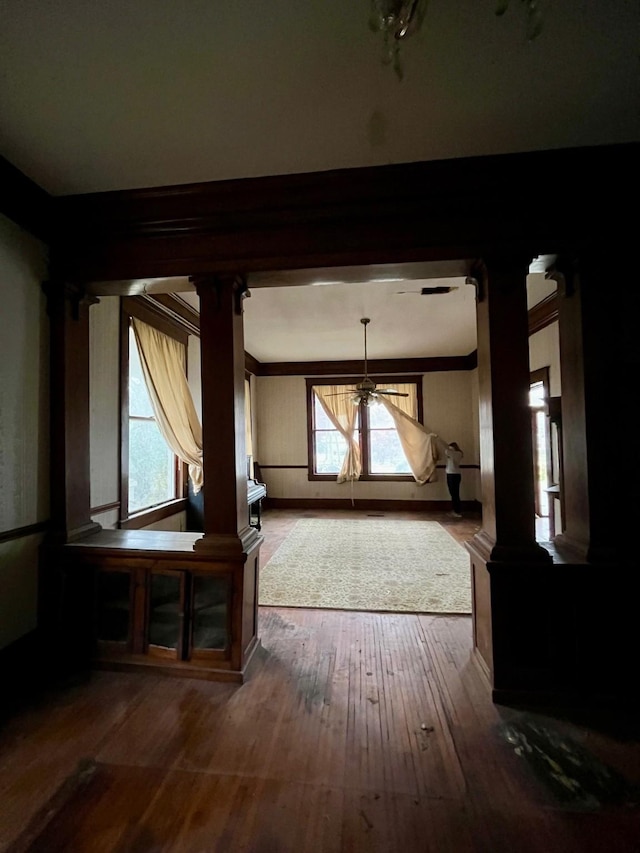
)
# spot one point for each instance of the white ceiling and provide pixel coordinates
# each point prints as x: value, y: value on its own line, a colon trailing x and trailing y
x: 322, y: 323
x: 118, y: 94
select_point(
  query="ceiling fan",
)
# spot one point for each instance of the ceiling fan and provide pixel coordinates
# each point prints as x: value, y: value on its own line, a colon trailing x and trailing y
x: 367, y: 391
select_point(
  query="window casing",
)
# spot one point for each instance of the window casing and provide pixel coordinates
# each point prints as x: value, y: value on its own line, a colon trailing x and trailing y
x: 381, y: 454
x: 152, y: 479
x: 153, y: 466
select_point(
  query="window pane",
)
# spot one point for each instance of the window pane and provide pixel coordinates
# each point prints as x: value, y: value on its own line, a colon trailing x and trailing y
x: 139, y: 402
x: 330, y: 449
x: 380, y: 418
x: 386, y: 453
x: 151, y: 466
x: 536, y: 395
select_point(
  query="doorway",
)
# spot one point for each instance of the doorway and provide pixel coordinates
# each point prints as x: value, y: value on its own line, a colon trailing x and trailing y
x: 542, y: 463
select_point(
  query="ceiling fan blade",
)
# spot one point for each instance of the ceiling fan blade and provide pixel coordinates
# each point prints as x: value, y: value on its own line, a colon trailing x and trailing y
x: 390, y: 392
x: 340, y: 393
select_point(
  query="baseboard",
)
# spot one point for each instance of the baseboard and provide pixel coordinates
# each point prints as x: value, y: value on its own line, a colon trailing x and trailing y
x: 473, y: 507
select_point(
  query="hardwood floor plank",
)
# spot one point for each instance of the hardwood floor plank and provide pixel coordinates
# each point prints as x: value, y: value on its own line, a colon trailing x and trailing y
x: 356, y: 733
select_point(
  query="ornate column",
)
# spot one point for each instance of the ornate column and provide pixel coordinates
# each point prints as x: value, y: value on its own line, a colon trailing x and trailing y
x: 504, y: 552
x: 68, y: 309
x: 226, y: 518
x: 506, y: 452
x: 229, y: 546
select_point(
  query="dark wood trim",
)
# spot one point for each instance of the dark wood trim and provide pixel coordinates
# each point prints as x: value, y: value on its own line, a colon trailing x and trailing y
x: 368, y: 503
x: 376, y: 367
x: 178, y: 311
x: 27, y: 530
x: 354, y: 379
x: 273, y: 467
x: 252, y: 365
x: 24, y: 202
x: 455, y: 209
x: 150, y: 516
x: 98, y: 510
x: 146, y: 310
x: 543, y: 314
x: 305, y: 467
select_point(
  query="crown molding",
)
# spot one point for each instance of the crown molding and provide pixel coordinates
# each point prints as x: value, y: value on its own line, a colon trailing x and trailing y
x: 431, y: 211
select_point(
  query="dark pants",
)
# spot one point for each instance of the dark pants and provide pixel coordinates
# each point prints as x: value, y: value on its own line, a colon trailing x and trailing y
x: 453, y: 484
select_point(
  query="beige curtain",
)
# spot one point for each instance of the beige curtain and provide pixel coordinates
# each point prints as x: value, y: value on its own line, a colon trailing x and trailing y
x: 419, y: 445
x: 163, y: 365
x: 343, y: 415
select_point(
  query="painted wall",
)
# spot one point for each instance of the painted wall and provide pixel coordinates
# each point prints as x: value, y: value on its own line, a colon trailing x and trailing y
x: 24, y: 424
x: 104, y: 406
x: 544, y: 351
x: 450, y: 405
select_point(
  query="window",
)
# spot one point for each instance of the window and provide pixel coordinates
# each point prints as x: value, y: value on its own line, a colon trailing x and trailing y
x: 152, y: 463
x: 152, y: 477
x: 381, y: 453
x: 538, y: 400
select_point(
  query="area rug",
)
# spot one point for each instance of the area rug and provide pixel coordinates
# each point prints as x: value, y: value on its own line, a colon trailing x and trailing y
x: 368, y: 564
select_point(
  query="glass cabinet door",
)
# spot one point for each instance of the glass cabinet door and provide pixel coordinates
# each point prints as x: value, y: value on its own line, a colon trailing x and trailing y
x: 113, y: 608
x: 210, y: 612
x: 165, y: 613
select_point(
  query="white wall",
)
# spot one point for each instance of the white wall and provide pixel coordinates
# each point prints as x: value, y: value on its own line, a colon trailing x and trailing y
x: 104, y: 406
x: 450, y: 405
x: 24, y: 423
x: 544, y: 351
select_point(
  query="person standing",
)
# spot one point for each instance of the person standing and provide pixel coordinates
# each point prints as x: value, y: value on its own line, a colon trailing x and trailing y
x: 453, y: 455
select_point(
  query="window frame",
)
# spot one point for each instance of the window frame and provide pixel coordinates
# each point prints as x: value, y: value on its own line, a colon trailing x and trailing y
x: 130, y: 307
x: 366, y: 476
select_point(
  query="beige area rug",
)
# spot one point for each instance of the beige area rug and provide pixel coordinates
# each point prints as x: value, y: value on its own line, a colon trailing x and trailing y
x: 368, y: 564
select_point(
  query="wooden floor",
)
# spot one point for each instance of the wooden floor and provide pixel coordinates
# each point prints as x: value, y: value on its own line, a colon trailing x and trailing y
x: 355, y: 732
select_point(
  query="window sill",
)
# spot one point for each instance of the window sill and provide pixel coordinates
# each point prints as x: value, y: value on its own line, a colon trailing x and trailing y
x: 367, y: 478
x: 149, y: 516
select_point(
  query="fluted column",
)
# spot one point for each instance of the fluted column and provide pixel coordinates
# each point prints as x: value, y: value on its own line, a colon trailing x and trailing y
x: 68, y: 309
x: 226, y: 520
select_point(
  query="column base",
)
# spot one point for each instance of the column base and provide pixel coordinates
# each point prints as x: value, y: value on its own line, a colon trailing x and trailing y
x: 230, y: 546
x: 489, y: 551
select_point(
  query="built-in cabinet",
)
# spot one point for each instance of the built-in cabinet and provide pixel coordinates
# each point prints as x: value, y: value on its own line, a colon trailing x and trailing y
x: 169, y: 610
x: 170, y: 614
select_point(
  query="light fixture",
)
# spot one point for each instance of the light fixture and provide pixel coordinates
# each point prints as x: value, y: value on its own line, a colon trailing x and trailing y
x: 397, y: 19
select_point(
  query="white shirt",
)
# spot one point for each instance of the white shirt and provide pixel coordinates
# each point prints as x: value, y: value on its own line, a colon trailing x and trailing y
x: 454, y: 457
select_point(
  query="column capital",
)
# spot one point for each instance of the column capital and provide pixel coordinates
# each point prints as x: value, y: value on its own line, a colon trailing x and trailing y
x: 564, y: 272
x: 236, y: 283
x: 73, y: 292
x: 504, y: 267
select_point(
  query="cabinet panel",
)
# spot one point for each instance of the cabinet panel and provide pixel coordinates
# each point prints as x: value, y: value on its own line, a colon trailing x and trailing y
x: 211, y: 595
x: 165, y: 614
x: 113, y: 607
